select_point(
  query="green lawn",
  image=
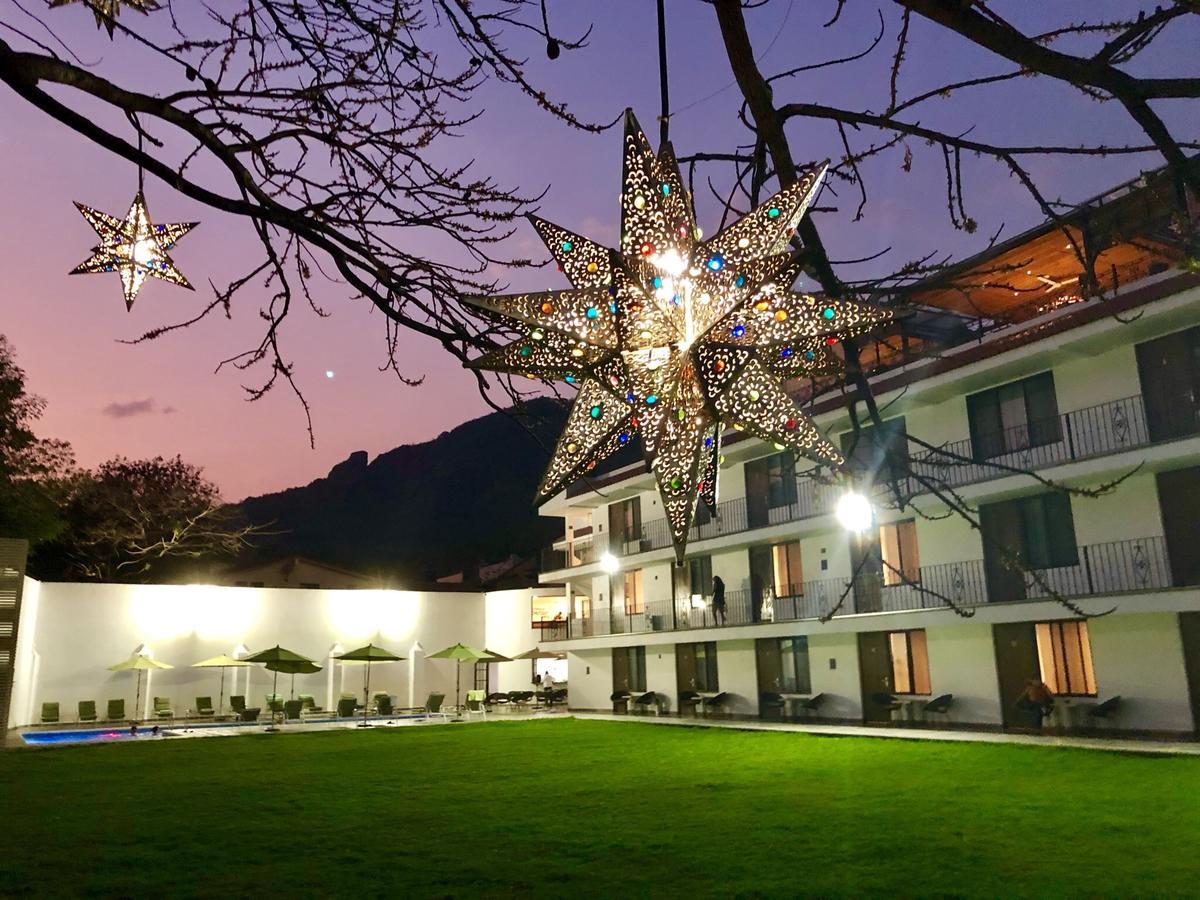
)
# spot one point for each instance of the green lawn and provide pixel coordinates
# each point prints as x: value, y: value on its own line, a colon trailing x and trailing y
x: 585, y: 808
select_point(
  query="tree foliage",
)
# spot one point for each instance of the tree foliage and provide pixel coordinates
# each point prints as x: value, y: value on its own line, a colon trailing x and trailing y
x: 31, y: 468
x: 129, y: 516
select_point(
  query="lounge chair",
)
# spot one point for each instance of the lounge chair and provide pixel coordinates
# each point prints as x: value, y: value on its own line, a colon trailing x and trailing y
x: 475, y: 704
x: 499, y: 698
x: 520, y: 699
x: 162, y: 708
x: 689, y: 701
x: 646, y: 701
x: 1104, y: 712
x: 620, y: 701
x: 772, y: 702
x: 204, y: 707
x: 49, y: 713
x: 812, y: 704
x: 346, y: 706
x: 274, y: 702
x: 433, y: 706
x: 87, y: 711
x: 939, y: 705
x: 292, y: 708
x: 244, y: 713
x: 715, y: 702
x: 558, y: 695
x: 383, y: 704
x: 308, y: 706
x: 116, y: 711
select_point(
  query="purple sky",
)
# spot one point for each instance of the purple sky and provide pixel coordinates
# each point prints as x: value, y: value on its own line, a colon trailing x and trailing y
x: 163, y: 398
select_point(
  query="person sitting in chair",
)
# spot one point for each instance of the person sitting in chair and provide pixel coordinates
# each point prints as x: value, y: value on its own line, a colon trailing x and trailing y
x: 1037, y: 699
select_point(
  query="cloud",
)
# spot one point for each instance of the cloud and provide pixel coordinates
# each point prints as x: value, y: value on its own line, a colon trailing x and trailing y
x: 132, y: 408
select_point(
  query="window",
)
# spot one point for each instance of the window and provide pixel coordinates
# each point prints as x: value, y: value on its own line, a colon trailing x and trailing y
x: 898, y: 549
x: 1014, y: 416
x: 706, y: 666
x: 793, y: 659
x: 1169, y: 369
x: 1039, y: 530
x: 878, y: 453
x: 788, y: 576
x: 625, y: 523
x: 548, y: 610
x: 1065, y: 657
x: 700, y: 576
x: 629, y: 669
x: 481, y: 676
x: 634, y: 599
x: 910, y: 662
x: 583, y: 606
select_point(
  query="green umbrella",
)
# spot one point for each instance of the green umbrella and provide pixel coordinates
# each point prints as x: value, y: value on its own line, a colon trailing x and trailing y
x: 368, y: 655
x: 138, y: 663
x: 293, y: 668
x: 222, y: 662
x: 460, y: 653
x: 539, y: 653
x: 280, y: 658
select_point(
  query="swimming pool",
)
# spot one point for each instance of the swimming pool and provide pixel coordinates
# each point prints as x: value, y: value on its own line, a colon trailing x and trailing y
x: 85, y: 737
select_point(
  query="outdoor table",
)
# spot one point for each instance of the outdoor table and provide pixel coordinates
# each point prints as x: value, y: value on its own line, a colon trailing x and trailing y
x: 909, y: 706
x: 789, y: 698
x: 705, y: 697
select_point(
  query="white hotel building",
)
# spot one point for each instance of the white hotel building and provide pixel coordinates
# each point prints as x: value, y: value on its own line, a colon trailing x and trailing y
x: 1013, y: 366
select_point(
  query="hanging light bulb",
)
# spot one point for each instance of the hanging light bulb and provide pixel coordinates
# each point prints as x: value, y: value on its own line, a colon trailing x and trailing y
x: 854, y: 512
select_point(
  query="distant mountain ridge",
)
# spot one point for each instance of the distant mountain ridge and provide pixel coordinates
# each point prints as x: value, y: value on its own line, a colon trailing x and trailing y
x: 422, y: 510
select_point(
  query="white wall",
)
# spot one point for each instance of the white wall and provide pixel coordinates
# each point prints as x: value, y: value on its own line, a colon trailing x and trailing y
x: 840, y: 685
x: 962, y: 663
x: 507, y: 618
x: 589, y: 673
x: 1139, y: 657
x: 71, y: 633
x: 737, y: 674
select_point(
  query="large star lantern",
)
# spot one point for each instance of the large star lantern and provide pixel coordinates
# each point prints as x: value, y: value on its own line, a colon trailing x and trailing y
x: 671, y: 337
x: 134, y: 247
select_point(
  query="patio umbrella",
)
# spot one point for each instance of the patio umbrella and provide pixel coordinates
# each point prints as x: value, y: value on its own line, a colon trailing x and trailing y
x: 539, y: 653
x: 369, y: 654
x: 493, y: 656
x: 293, y: 668
x: 280, y: 658
x: 460, y: 653
x: 222, y: 662
x: 138, y: 663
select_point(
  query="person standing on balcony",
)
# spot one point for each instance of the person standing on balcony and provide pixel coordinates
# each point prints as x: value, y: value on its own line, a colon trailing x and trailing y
x: 718, y: 600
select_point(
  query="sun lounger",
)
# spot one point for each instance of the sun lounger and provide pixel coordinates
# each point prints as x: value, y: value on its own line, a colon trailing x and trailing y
x: 292, y: 708
x: 383, y: 704
x: 308, y: 706
x: 475, y: 704
x: 162, y: 708
x: 346, y: 707
x: 49, y: 713
x: 499, y: 698
x: 87, y: 711
x: 116, y: 711
x: 204, y: 707
x: 244, y: 713
x: 274, y: 702
x: 433, y: 706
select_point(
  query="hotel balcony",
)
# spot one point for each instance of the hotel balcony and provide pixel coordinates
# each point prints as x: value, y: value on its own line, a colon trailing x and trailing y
x: 1093, y: 432
x: 1117, y: 567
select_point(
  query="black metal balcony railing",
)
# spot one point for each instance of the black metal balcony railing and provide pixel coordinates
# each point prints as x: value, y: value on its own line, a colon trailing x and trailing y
x: 1081, y: 434
x: 1117, y: 567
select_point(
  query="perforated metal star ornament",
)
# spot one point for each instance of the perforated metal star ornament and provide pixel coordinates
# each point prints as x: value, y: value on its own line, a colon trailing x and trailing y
x: 106, y: 11
x: 672, y: 337
x: 133, y: 247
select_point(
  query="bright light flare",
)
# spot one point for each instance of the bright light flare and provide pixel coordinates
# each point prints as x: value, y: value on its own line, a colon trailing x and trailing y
x: 854, y: 512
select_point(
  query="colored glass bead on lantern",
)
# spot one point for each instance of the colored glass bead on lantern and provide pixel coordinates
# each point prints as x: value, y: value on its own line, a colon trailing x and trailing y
x: 572, y: 447
x: 740, y: 281
x: 666, y: 189
x: 536, y: 334
x: 773, y: 212
x: 639, y: 201
x: 569, y: 378
x: 592, y: 312
x: 827, y: 313
x: 716, y: 262
x: 680, y: 414
x: 525, y: 351
x: 592, y: 267
x: 790, y: 424
x: 676, y: 483
x: 809, y: 355
x: 785, y: 352
x: 753, y: 395
x: 738, y: 331
x: 718, y: 365
x: 651, y: 399
x: 567, y: 246
x: 647, y: 249
x: 780, y: 315
x: 761, y: 306
x: 547, y: 307
x: 623, y: 438
x: 596, y: 411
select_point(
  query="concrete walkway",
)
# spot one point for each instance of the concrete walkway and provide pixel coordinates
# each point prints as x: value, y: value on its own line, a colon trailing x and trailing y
x: 1118, y: 745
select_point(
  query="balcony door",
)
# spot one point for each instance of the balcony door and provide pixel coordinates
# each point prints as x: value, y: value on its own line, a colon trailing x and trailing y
x: 1169, y: 368
x: 770, y: 484
x: 625, y: 525
x: 1016, y: 662
x: 875, y: 673
x: 1036, y: 532
x: 1178, y: 500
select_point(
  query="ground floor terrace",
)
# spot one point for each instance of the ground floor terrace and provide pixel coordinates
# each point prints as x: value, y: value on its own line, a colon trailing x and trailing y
x: 559, y: 805
x: 1130, y: 667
